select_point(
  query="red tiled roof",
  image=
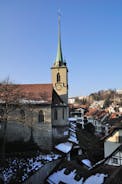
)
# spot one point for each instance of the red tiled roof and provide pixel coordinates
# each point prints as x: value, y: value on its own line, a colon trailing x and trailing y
x: 76, y: 106
x: 35, y: 92
x: 91, y: 111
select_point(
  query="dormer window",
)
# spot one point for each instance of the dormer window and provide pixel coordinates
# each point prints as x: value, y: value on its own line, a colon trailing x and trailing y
x: 77, y: 177
x: 58, y: 77
x: 67, y: 171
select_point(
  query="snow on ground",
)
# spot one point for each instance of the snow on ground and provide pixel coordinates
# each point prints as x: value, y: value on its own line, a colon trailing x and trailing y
x: 22, y: 168
x: 64, y: 147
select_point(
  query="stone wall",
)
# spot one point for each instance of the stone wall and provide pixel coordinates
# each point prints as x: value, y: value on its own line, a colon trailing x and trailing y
x: 46, y: 134
x: 60, y: 134
x: 42, y: 134
x: 24, y: 130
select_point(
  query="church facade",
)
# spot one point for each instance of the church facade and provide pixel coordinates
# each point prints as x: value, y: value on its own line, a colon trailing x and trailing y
x: 42, y: 112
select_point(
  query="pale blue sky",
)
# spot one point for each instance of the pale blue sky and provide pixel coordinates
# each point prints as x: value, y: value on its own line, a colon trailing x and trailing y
x: 91, y: 33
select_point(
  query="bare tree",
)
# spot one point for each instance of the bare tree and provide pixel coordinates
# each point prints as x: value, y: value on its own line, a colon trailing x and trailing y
x: 9, y: 99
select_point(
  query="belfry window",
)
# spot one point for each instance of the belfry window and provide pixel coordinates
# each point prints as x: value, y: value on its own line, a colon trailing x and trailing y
x: 41, y: 116
x: 58, y: 77
x: 55, y: 114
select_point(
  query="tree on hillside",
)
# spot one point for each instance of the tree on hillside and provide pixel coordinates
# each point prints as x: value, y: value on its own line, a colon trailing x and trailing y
x: 91, y: 145
x: 103, y: 94
x: 107, y: 102
x: 77, y: 100
x: 9, y: 99
x: 84, y: 101
x: 89, y: 127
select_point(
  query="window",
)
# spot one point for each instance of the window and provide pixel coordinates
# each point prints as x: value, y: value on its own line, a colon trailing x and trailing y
x: 120, y: 139
x: 63, y: 113
x: 22, y: 114
x: 58, y: 77
x: 1, y: 114
x: 55, y: 114
x: 41, y: 116
x: 114, y: 160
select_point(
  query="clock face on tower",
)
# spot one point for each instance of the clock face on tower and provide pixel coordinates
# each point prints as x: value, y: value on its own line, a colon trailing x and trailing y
x: 59, y: 86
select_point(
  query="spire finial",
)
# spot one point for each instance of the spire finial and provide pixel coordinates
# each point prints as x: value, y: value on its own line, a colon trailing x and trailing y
x: 59, y: 57
x: 59, y: 15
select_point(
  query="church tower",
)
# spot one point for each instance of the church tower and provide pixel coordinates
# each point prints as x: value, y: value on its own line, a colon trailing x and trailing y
x: 60, y: 72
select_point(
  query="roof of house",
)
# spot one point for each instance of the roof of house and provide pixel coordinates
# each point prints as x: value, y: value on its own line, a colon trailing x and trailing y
x: 112, y: 131
x: 71, y: 172
x: 119, y: 148
x: 64, y: 147
x: 115, y: 121
x: 116, y: 177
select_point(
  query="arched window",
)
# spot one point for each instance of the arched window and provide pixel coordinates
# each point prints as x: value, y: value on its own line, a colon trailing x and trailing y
x: 55, y: 114
x: 22, y: 114
x: 41, y: 116
x: 58, y: 77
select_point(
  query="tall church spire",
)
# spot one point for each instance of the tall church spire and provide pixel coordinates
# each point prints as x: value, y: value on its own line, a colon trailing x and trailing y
x: 60, y: 72
x: 59, y: 57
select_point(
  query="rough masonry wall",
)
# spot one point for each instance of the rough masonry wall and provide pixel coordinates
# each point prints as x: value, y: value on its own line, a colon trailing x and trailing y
x: 41, y: 132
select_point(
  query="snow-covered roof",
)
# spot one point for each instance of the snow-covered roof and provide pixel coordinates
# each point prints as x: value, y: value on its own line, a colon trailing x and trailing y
x: 72, y: 119
x: 73, y: 139
x: 87, y: 163
x: 24, y: 101
x: 96, y: 179
x: 64, y: 147
x: 60, y: 176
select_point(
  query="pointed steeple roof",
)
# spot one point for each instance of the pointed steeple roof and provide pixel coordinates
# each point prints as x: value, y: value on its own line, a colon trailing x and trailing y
x: 59, y: 57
